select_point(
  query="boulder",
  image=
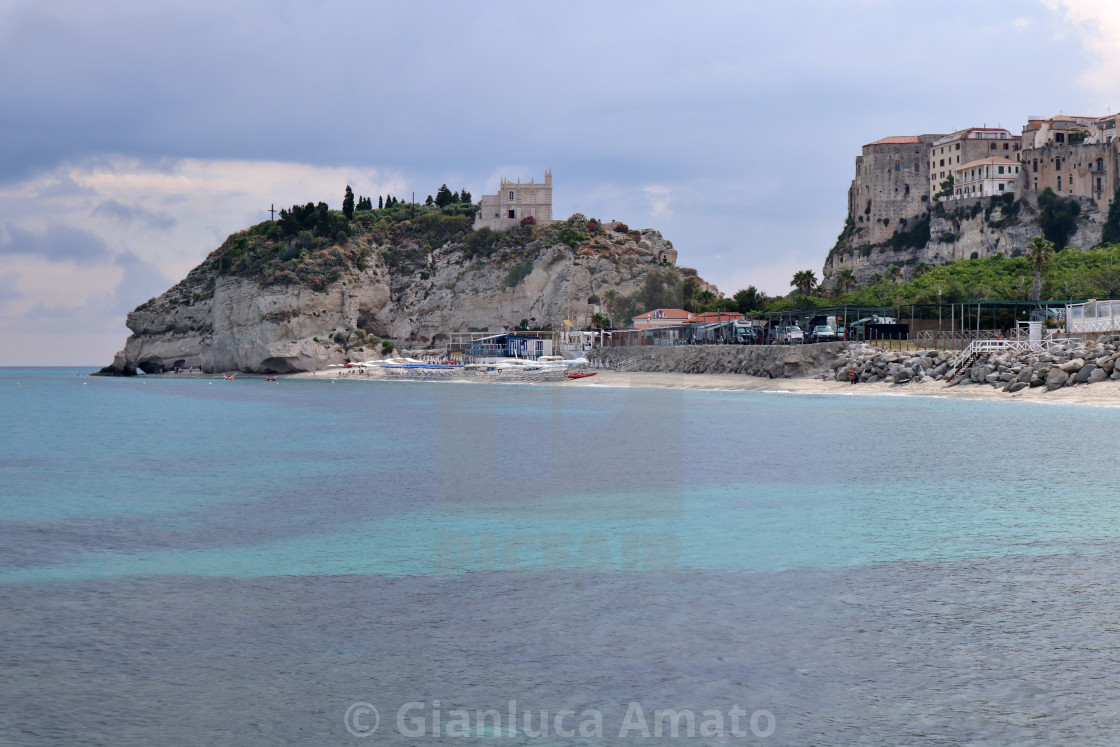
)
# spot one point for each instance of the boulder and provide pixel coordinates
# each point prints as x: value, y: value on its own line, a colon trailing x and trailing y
x: 1073, y: 366
x: 1097, y: 375
x: 1056, y: 379
x: 1086, y: 371
x: 1016, y: 386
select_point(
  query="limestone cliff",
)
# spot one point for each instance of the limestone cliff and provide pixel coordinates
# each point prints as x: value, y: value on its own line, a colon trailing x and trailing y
x: 953, y: 230
x: 268, y: 302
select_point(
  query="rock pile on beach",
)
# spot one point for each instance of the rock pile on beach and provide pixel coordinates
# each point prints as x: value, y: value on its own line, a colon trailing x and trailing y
x: 1060, y: 365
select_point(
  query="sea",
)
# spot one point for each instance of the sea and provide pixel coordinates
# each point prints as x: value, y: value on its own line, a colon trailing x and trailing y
x: 195, y: 561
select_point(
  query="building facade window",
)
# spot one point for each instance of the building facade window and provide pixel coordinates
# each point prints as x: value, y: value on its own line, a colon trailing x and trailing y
x: 511, y: 197
x: 511, y: 213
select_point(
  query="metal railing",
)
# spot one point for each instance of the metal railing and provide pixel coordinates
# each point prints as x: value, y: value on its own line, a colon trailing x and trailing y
x: 979, y: 347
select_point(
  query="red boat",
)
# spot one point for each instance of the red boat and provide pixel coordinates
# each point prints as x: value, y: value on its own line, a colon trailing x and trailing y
x: 270, y: 378
x: 580, y: 374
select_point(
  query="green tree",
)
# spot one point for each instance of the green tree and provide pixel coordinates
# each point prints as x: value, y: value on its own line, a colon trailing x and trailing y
x: 804, y: 281
x: 1111, y: 234
x: 1040, y: 252
x: 846, y: 281
x: 749, y: 299
x: 600, y: 321
x: 622, y: 309
x: 465, y: 196
x: 380, y: 204
x: 1057, y: 217
x: 444, y: 196
x: 662, y: 289
x: 455, y: 197
x: 348, y: 203
x: 429, y: 201
x: 946, y: 188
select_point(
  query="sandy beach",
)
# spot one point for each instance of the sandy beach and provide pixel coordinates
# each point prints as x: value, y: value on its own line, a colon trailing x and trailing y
x: 1105, y: 394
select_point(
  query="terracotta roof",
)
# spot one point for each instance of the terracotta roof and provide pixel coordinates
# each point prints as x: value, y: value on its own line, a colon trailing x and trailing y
x: 963, y: 134
x: 898, y: 140
x: 992, y: 159
x: 665, y: 314
x: 717, y: 316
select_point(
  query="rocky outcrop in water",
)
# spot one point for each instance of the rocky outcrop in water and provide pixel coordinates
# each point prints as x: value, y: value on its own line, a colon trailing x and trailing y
x: 265, y: 304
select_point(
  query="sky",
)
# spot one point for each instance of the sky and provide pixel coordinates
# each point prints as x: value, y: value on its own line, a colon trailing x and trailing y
x: 136, y: 136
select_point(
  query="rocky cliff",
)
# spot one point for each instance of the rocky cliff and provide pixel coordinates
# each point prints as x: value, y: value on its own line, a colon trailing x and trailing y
x: 279, y: 299
x: 958, y: 229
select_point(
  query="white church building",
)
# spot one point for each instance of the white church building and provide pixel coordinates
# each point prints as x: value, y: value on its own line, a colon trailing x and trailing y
x: 516, y: 201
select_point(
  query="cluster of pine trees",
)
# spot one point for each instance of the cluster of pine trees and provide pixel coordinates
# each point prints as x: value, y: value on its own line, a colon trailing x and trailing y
x: 444, y: 197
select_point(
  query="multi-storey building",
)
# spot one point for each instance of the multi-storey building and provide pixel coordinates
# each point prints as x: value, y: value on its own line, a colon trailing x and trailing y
x: 985, y: 177
x: 890, y: 186
x: 516, y: 201
x: 1073, y: 156
x: 965, y: 146
x: 1042, y: 131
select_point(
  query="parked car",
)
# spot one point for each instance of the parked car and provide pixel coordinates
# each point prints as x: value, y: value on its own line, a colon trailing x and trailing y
x: 789, y: 336
x: 822, y: 333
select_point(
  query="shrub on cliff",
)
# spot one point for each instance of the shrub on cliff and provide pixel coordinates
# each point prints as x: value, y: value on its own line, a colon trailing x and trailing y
x: 518, y: 273
x: 1057, y: 217
x: 1111, y: 234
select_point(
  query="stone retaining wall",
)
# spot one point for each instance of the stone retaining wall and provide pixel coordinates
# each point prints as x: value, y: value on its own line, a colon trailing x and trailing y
x: 770, y: 361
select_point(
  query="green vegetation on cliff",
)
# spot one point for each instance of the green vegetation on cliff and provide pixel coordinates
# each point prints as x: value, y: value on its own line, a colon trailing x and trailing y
x: 313, y: 245
x: 1071, y: 274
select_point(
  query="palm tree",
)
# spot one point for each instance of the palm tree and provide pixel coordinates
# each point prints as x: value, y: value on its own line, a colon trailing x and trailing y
x: 1040, y: 252
x: 846, y: 281
x: 804, y: 281
x: 895, y: 273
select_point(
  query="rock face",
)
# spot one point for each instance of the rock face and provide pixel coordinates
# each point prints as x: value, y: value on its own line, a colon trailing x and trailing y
x: 223, y: 322
x: 958, y: 229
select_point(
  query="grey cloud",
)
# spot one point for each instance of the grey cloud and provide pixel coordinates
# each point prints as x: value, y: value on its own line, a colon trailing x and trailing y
x: 141, y: 281
x: 8, y: 290
x: 133, y: 214
x: 57, y: 243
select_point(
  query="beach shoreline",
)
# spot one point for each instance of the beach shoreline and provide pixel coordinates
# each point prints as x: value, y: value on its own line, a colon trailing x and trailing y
x: 1104, y: 394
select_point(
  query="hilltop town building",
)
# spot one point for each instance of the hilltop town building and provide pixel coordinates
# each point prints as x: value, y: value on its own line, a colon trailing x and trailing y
x: 890, y: 186
x: 1073, y: 156
x: 516, y: 201
x: 985, y: 177
x: 1042, y: 131
x: 965, y: 146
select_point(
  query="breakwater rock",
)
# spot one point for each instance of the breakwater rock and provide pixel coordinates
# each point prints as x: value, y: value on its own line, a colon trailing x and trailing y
x: 768, y: 361
x: 1060, y: 365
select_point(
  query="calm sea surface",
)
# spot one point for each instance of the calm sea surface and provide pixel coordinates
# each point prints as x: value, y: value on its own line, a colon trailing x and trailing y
x: 191, y: 561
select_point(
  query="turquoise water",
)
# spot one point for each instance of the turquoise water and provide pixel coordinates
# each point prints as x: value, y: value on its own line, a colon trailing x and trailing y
x: 786, y: 526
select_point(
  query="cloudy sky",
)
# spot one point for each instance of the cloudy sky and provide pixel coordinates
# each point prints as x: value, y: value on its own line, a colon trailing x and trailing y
x: 134, y: 137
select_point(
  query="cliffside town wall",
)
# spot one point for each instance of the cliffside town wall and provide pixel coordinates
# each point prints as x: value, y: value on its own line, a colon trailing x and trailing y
x: 889, y: 187
x: 896, y: 218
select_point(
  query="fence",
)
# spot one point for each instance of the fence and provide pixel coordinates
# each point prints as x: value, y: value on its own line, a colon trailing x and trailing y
x: 958, y: 340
